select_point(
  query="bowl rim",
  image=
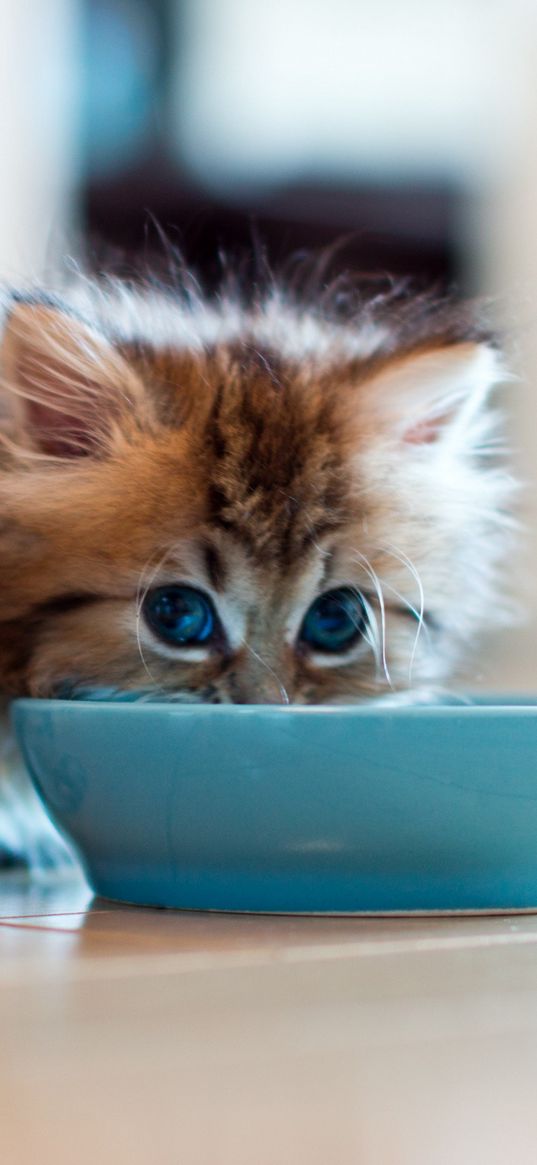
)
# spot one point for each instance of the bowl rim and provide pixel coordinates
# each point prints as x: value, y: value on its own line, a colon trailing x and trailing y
x: 479, y: 706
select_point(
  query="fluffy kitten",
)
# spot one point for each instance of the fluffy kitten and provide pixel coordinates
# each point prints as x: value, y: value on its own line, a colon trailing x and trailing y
x: 244, y: 502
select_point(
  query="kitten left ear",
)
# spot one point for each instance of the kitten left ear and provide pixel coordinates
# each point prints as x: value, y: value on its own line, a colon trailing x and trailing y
x: 64, y: 383
x: 436, y: 395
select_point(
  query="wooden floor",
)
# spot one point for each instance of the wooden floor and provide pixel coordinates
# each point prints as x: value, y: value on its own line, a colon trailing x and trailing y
x: 145, y: 1037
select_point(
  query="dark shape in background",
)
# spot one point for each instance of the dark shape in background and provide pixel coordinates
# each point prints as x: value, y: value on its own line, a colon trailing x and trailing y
x: 133, y: 177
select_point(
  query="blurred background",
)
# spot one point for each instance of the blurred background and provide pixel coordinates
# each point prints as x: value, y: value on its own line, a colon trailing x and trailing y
x: 409, y: 128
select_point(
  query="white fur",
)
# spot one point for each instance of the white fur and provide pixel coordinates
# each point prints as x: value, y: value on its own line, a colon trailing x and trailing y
x: 25, y: 828
x: 123, y: 312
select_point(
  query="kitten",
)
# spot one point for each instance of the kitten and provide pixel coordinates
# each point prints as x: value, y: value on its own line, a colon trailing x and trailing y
x: 230, y: 502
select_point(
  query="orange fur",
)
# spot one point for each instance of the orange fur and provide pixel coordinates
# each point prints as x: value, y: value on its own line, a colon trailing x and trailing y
x: 259, y: 477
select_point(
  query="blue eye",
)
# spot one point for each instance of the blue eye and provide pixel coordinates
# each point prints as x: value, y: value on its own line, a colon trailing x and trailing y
x: 335, y: 620
x: 180, y: 615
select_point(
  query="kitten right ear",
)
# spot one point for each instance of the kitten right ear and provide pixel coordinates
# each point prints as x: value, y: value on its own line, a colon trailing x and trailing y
x: 64, y: 384
x: 434, y: 395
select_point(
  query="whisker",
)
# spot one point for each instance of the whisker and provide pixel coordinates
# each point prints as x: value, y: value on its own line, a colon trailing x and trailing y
x: 141, y: 594
x: 406, y: 603
x: 403, y: 558
x: 282, y: 690
x: 378, y: 589
x: 371, y: 633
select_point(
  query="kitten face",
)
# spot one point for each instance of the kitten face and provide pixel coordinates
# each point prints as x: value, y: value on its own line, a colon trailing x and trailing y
x: 225, y: 519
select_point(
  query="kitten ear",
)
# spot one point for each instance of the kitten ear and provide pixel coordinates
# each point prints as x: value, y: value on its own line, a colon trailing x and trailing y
x: 436, y: 395
x: 64, y: 384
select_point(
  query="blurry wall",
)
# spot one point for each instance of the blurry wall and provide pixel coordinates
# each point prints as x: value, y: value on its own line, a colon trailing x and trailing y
x: 38, y: 132
x: 394, y: 89
x: 505, y: 222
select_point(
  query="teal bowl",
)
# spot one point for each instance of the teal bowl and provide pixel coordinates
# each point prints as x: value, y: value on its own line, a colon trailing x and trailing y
x: 321, y: 809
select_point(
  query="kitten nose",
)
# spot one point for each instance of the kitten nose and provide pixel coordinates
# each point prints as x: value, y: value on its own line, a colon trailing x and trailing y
x: 257, y: 683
